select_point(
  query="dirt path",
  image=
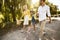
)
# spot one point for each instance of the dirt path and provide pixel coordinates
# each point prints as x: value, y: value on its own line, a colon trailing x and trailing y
x: 52, y: 32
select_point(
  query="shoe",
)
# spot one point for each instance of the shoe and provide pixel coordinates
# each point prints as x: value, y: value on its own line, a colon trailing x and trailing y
x: 28, y: 32
x: 33, y: 30
x: 22, y: 31
x: 44, y: 33
x: 24, y: 38
x: 39, y: 38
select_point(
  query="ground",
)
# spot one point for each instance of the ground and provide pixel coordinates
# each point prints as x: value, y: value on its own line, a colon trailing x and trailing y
x: 14, y: 32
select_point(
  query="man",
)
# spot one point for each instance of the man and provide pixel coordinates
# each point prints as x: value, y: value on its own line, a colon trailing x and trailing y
x: 42, y: 11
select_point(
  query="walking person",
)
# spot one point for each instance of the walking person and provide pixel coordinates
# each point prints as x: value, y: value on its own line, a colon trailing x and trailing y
x: 42, y: 11
x: 33, y: 19
x: 26, y: 14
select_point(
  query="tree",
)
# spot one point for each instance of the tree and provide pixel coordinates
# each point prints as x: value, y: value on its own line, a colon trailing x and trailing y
x: 13, y: 7
x: 53, y: 8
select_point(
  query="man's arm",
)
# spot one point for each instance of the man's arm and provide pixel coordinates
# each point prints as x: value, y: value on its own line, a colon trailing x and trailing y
x: 49, y: 15
x: 49, y: 19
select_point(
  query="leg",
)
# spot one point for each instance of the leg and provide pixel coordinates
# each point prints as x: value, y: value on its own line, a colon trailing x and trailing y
x: 34, y: 27
x: 42, y: 26
x: 24, y: 27
x: 31, y: 25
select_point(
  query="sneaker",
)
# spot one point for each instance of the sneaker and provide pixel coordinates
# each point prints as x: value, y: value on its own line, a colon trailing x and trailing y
x: 39, y: 38
x: 22, y: 30
x: 24, y: 38
x: 33, y: 30
x: 28, y: 31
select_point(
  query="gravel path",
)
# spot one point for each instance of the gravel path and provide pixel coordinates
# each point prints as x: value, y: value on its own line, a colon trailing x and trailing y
x: 52, y: 33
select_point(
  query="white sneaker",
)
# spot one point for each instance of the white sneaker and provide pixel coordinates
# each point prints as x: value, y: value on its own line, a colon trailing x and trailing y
x: 24, y: 38
x: 39, y: 38
x: 34, y: 31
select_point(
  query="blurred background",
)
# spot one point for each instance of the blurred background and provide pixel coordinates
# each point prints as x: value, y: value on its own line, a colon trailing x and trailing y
x: 11, y: 10
x: 11, y: 21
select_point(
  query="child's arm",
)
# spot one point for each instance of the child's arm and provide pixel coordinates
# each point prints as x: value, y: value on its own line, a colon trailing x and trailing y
x: 22, y: 15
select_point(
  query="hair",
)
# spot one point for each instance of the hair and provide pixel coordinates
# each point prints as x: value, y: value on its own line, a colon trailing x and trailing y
x: 42, y: 0
x: 24, y: 7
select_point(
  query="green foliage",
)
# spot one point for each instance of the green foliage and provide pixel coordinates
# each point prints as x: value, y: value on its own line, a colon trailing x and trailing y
x: 12, y: 9
x: 53, y: 8
x: 58, y: 12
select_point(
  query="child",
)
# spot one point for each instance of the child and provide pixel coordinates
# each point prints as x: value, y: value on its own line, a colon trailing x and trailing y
x: 33, y: 19
x: 26, y: 16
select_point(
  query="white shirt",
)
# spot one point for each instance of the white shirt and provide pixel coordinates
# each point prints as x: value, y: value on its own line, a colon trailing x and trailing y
x: 42, y: 11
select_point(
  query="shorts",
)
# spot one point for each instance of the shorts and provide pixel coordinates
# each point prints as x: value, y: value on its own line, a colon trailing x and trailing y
x: 33, y: 21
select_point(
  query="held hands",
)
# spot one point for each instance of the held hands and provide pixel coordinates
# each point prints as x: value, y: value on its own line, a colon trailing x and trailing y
x: 37, y: 14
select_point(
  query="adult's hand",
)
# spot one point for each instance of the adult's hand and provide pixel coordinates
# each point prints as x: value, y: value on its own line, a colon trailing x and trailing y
x: 50, y: 20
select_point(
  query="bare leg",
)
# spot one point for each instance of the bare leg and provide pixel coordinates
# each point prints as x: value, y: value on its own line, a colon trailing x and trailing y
x: 24, y: 27
x: 34, y: 27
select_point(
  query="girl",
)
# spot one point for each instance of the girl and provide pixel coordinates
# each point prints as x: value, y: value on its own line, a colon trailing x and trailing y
x: 26, y: 16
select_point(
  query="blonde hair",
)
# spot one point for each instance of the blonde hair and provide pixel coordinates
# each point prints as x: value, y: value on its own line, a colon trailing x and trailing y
x: 24, y: 6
